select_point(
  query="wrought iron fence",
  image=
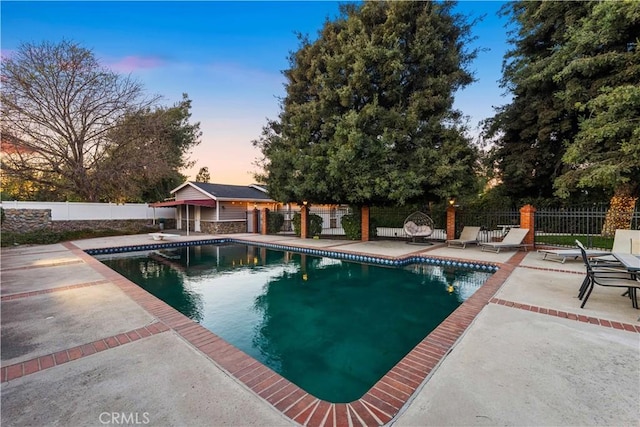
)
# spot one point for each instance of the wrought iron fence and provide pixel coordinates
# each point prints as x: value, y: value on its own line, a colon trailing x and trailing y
x: 389, y: 221
x: 493, y: 224
x: 330, y: 216
x: 585, y: 223
x: 553, y: 226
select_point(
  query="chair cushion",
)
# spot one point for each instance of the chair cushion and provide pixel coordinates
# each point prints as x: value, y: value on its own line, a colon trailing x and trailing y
x: 411, y: 227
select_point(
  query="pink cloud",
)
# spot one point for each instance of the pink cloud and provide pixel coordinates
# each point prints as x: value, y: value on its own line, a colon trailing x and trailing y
x: 129, y: 64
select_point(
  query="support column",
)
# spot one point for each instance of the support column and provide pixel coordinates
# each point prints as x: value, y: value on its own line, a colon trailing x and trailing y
x: 451, y: 222
x: 304, y: 221
x: 528, y: 220
x: 365, y: 223
x: 263, y: 220
x: 256, y: 212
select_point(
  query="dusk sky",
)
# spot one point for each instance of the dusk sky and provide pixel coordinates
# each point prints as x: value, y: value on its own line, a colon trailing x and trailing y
x: 227, y: 56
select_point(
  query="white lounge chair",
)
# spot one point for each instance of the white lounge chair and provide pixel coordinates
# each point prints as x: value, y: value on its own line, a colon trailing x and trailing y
x: 622, y: 243
x: 512, y: 240
x: 467, y: 236
x: 561, y: 255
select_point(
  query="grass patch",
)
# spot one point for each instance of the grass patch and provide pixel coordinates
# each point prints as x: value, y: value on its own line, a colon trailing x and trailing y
x: 47, y: 237
x: 570, y: 240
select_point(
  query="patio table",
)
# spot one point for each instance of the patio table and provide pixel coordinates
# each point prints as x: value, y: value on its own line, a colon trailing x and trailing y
x: 630, y: 261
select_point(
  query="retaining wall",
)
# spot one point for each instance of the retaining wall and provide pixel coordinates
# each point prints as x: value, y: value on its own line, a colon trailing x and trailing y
x: 28, y: 220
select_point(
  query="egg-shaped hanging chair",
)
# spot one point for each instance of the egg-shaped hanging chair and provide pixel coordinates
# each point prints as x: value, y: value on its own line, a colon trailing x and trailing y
x: 418, y: 225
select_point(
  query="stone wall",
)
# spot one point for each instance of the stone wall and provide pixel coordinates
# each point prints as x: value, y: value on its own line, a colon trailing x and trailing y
x: 104, y: 224
x: 227, y: 227
x: 22, y: 220
x: 26, y: 220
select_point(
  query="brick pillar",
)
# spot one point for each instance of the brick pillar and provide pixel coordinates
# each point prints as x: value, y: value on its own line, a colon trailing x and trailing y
x: 527, y: 220
x: 451, y: 223
x: 263, y: 220
x: 304, y: 221
x: 365, y: 223
x: 256, y: 212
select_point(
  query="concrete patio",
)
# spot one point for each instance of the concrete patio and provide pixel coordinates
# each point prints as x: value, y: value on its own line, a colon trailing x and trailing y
x: 78, y: 349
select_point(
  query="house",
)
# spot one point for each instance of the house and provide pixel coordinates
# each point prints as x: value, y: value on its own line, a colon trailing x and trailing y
x: 217, y: 208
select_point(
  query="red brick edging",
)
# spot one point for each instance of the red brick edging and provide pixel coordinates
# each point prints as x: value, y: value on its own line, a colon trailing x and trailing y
x: 571, y: 316
x: 17, y: 370
x: 48, y: 291
x: 376, y: 407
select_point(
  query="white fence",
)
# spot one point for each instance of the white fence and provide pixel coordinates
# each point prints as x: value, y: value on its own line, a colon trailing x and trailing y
x: 69, y: 211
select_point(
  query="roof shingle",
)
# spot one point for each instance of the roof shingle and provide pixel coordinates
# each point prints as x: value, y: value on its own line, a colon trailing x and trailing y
x: 226, y: 191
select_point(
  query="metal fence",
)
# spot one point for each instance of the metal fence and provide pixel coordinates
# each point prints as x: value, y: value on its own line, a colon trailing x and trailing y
x: 389, y: 221
x: 585, y: 222
x: 493, y: 224
x: 553, y: 226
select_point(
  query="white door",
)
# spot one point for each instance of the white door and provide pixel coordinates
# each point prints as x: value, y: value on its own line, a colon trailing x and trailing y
x: 196, y: 219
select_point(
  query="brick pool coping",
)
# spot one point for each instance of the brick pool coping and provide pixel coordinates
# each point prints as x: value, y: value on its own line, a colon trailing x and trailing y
x: 376, y: 407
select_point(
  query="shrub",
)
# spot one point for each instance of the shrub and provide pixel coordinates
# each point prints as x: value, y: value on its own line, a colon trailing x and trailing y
x: 315, y: 224
x: 275, y: 220
x: 352, y: 225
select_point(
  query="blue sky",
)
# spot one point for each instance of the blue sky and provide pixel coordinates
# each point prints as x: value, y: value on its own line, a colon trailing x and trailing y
x: 227, y: 56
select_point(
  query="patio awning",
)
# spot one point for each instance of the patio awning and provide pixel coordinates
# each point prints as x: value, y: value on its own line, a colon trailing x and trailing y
x: 206, y: 202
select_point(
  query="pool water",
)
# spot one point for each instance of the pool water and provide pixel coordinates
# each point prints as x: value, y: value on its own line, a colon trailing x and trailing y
x: 332, y: 327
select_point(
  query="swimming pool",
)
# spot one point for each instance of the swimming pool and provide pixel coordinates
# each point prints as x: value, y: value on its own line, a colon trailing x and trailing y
x: 331, y: 326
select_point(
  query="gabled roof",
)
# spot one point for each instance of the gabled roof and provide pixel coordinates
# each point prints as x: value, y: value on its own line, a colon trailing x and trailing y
x: 209, y: 203
x: 228, y: 192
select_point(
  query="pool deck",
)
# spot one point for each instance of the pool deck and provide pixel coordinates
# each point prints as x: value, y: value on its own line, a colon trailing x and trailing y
x: 81, y: 345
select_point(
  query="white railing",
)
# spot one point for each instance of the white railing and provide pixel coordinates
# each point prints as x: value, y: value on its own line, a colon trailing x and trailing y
x: 70, y: 211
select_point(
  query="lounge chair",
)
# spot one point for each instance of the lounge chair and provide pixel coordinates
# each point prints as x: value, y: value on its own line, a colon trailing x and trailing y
x: 467, y: 236
x: 561, y: 255
x: 512, y: 240
x: 622, y: 243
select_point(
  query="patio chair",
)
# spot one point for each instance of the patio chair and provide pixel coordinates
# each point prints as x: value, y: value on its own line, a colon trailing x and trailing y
x: 612, y: 269
x: 418, y: 224
x: 467, y: 236
x: 608, y: 278
x: 512, y: 240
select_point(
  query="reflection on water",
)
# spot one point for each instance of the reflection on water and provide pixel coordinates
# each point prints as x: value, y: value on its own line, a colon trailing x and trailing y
x: 330, y: 326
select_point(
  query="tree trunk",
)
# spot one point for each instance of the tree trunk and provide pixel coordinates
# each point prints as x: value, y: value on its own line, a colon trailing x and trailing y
x: 620, y: 211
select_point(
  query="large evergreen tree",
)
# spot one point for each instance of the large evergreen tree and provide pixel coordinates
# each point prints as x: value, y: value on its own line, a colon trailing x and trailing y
x: 572, y: 127
x: 368, y: 115
x: 600, y: 80
x: 529, y: 133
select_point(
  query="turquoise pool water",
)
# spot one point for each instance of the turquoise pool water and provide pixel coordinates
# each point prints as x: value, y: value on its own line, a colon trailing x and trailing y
x: 330, y: 326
